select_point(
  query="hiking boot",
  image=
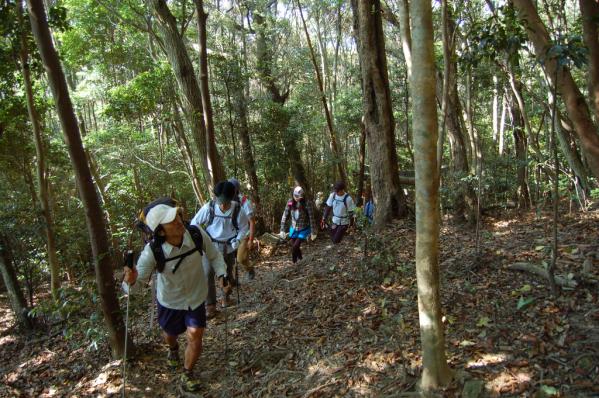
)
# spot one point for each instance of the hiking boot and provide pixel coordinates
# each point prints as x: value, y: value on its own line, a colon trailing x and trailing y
x: 188, y: 382
x: 172, y: 358
x: 211, y: 311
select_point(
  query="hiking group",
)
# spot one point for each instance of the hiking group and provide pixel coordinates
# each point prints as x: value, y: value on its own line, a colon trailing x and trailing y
x: 191, y: 257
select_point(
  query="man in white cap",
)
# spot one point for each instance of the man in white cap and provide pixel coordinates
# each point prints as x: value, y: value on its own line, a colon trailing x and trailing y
x: 181, y: 287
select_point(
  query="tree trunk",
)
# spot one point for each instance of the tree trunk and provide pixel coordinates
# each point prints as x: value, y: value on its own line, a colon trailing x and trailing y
x: 378, y: 114
x: 15, y: 294
x: 264, y: 58
x: 464, y: 204
x: 218, y: 170
x: 406, y: 37
x: 590, y: 28
x: 93, y: 211
x: 184, y: 73
x: 362, y: 166
x: 435, y: 372
x: 576, y: 105
x: 42, y: 177
x: 333, y: 143
x: 522, y: 194
x: 187, y: 156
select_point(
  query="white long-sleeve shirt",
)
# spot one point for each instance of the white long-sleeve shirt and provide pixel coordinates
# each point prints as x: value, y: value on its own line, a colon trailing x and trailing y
x: 187, y: 288
x: 221, y: 229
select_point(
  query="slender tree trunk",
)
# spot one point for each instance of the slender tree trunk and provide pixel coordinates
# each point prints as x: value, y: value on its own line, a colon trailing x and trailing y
x: 502, y: 124
x: 218, y: 171
x: 560, y: 76
x: 406, y: 37
x: 42, y: 177
x: 329, y: 118
x: 590, y: 28
x: 184, y: 74
x: 362, y: 160
x: 569, y: 151
x: 15, y: 294
x: 93, y: 212
x: 522, y: 194
x: 435, y: 372
x: 378, y: 114
x: 186, y: 154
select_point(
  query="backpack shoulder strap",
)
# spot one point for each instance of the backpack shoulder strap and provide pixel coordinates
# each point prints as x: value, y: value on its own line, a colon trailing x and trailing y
x: 156, y: 247
x: 211, y: 217
x: 235, y: 216
x: 345, y: 200
x: 196, y: 235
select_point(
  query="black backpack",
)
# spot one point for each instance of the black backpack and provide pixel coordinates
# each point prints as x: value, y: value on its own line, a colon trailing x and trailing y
x: 155, y: 241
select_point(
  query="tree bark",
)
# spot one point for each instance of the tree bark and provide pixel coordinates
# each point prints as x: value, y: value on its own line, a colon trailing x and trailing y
x: 15, y: 294
x: 362, y: 160
x: 264, y: 58
x: 333, y: 143
x: 522, y: 194
x: 184, y: 74
x: 93, y: 211
x: 576, y: 105
x: 436, y: 372
x: 42, y: 177
x: 218, y: 170
x: 590, y: 29
x: 378, y: 114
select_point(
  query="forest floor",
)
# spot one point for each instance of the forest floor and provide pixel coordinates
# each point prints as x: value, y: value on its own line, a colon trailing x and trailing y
x: 343, y: 322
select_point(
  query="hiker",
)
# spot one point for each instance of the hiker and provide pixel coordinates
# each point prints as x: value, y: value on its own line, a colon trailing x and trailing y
x: 302, y: 222
x: 342, y: 206
x: 368, y: 205
x: 246, y: 245
x: 227, y: 225
x: 176, y: 252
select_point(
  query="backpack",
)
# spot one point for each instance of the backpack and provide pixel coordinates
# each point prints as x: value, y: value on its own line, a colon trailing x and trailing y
x: 344, y: 200
x: 234, y: 217
x: 155, y: 241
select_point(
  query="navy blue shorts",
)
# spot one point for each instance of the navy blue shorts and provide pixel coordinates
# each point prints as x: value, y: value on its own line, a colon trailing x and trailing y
x: 175, y: 322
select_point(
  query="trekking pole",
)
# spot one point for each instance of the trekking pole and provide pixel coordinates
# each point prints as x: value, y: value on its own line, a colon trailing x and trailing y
x: 128, y: 264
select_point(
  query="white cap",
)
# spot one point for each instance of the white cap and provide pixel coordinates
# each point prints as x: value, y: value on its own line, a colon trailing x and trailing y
x: 298, y: 192
x: 160, y: 214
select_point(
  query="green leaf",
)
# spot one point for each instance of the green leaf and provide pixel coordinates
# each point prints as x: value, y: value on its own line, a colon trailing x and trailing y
x: 526, y: 288
x: 483, y: 322
x: 547, y: 391
x: 524, y: 302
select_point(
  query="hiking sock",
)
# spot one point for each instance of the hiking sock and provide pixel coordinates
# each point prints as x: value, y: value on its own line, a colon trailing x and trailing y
x: 172, y: 357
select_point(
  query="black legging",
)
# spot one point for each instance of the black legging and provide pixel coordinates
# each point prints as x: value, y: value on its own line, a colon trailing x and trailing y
x: 296, y: 252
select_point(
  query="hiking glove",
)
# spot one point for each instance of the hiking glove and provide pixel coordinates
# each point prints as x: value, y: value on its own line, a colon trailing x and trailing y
x: 234, y: 244
x: 313, y: 237
x: 282, y: 234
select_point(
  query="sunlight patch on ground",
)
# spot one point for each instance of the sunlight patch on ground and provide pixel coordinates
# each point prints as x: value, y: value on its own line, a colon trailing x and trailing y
x: 486, y: 360
x: 508, y: 381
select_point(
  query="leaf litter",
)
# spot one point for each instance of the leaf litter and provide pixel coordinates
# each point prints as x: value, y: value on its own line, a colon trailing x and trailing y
x: 343, y: 322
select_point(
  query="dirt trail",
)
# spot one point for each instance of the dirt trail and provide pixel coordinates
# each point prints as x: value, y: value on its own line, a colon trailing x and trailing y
x: 342, y: 323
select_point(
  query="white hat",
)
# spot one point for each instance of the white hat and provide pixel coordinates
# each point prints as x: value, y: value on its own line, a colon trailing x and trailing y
x: 298, y: 192
x: 160, y: 214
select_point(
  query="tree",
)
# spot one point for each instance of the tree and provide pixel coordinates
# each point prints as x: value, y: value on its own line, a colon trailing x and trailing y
x: 42, y: 170
x: 329, y: 117
x: 590, y: 27
x: 15, y: 294
x: 178, y: 57
x: 93, y: 211
x: 560, y: 76
x: 378, y: 113
x: 435, y: 373
x: 217, y: 166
